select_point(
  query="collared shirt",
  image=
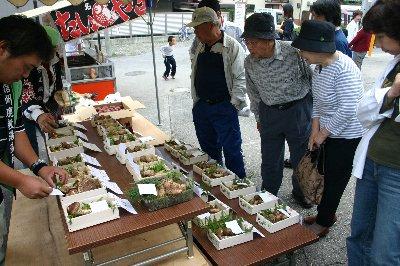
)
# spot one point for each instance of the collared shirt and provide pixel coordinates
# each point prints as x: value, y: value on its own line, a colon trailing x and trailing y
x: 282, y: 78
x: 233, y: 57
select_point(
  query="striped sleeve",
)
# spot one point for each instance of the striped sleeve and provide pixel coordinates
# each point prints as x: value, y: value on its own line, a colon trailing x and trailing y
x: 347, y: 92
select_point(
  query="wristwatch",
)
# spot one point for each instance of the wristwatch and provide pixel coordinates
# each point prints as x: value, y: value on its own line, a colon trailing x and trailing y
x: 36, y: 166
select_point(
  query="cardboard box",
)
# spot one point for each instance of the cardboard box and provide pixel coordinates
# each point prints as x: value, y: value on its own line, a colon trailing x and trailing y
x: 293, y: 218
x: 112, y: 149
x: 136, y: 174
x: 238, y: 192
x: 67, y: 131
x: 83, y: 195
x: 201, y: 220
x: 128, y: 105
x: 88, y: 220
x: 269, y: 201
x: 213, y: 182
x: 232, y: 240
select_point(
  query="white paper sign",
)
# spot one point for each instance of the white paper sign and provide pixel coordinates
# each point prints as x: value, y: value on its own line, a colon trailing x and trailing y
x: 99, y: 174
x: 113, y: 187
x: 90, y: 146
x: 90, y: 160
x: 234, y: 226
x: 80, y: 135
x: 98, y: 206
x: 134, y: 166
x: 255, y: 230
x: 122, y: 148
x: 204, y: 215
x: 56, y: 192
x: 147, y: 189
x: 80, y: 126
x: 125, y: 204
x: 197, y: 190
x: 146, y: 139
x: 266, y: 197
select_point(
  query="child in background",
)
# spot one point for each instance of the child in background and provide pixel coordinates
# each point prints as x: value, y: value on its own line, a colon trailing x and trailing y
x: 167, y: 52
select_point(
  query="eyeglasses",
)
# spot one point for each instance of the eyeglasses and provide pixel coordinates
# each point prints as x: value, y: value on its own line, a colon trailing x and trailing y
x: 251, y: 42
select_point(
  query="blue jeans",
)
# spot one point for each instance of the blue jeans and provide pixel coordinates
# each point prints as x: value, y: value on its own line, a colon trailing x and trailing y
x: 277, y: 125
x: 375, y: 225
x: 217, y: 128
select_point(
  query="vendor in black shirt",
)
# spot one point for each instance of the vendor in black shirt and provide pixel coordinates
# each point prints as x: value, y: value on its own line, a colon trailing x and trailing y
x: 23, y: 46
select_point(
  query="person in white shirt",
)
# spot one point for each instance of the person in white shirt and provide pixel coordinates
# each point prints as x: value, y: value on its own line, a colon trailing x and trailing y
x: 167, y: 52
x: 354, y: 26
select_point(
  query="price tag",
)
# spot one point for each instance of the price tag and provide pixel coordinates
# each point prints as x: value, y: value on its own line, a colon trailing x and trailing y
x: 255, y: 230
x: 98, y: 206
x: 197, y: 190
x: 125, y: 204
x: 90, y: 160
x: 204, y: 216
x: 122, y: 148
x: 146, y: 139
x: 234, y: 226
x: 113, y: 187
x: 80, y: 126
x: 56, y: 192
x: 80, y: 135
x: 134, y: 166
x: 267, y: 197
x: 99, y: 174
x: 147, y: 189
x: 55, y: 161
x: 90, y: 146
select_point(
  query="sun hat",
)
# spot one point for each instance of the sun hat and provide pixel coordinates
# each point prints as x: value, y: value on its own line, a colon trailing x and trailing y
x: 53, y: 34
x: 316, y: 36
x: 203, y: 15
x: 261, y: 26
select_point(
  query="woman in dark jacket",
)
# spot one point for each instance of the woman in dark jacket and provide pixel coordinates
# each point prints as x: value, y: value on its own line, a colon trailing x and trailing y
x: 287, y: 28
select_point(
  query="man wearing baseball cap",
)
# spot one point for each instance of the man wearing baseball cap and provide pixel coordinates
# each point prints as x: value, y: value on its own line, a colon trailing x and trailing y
x: 218, y: 90
x: 279, y: 84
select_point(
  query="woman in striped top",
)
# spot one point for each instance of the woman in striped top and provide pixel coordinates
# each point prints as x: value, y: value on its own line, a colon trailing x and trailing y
x: 337, y: 89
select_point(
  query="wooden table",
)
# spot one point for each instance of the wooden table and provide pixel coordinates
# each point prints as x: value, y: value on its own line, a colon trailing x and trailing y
x: 128, y: 225
x: 258, y: 251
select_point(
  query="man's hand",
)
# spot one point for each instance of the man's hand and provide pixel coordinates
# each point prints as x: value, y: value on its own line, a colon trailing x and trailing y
x: 34, y: 188
x: 311, y: 140
x: 48, y: 173
x: 47, y: 123
x: 320, y: 137
x: 394, y: 91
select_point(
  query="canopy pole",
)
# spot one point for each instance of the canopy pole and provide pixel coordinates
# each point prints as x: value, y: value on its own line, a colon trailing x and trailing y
x: 154, y: 66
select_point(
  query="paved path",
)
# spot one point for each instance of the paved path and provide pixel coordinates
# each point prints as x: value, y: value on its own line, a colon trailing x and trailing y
x: 135, y: 78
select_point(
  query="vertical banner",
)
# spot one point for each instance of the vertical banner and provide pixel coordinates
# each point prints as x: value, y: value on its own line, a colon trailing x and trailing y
x: 77, y: 21
x: 240, y: 14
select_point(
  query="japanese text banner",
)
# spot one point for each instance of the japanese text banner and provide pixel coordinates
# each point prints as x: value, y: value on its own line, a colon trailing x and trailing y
x: 88, y: 17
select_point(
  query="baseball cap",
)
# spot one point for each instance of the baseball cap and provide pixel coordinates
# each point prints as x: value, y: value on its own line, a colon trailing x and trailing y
x: 203, y: 15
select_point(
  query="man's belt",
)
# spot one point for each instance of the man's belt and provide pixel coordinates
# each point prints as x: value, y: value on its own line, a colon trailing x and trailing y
x: 285, y: 106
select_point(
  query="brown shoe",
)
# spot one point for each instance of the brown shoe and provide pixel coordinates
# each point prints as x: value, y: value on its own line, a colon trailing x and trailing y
x: 311, y: 219
x: 319, y: 230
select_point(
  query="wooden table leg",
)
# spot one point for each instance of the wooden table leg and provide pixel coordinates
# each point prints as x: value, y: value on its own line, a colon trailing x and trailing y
x: 88, y: 258
x: 189, y: 239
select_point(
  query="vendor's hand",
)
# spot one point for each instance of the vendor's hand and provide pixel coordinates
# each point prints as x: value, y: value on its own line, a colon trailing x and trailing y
x: 48, y: 173
x: 394, y: 91
x: 47, y: 123
x: 34, y: 188
x: 258, y: 126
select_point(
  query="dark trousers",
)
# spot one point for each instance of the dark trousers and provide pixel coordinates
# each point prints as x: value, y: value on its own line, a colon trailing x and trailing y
x: 30, y: 130
x: 338, y: 163
x: 217, y: 128
x: 276, y: 126
x: 170, y: 66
